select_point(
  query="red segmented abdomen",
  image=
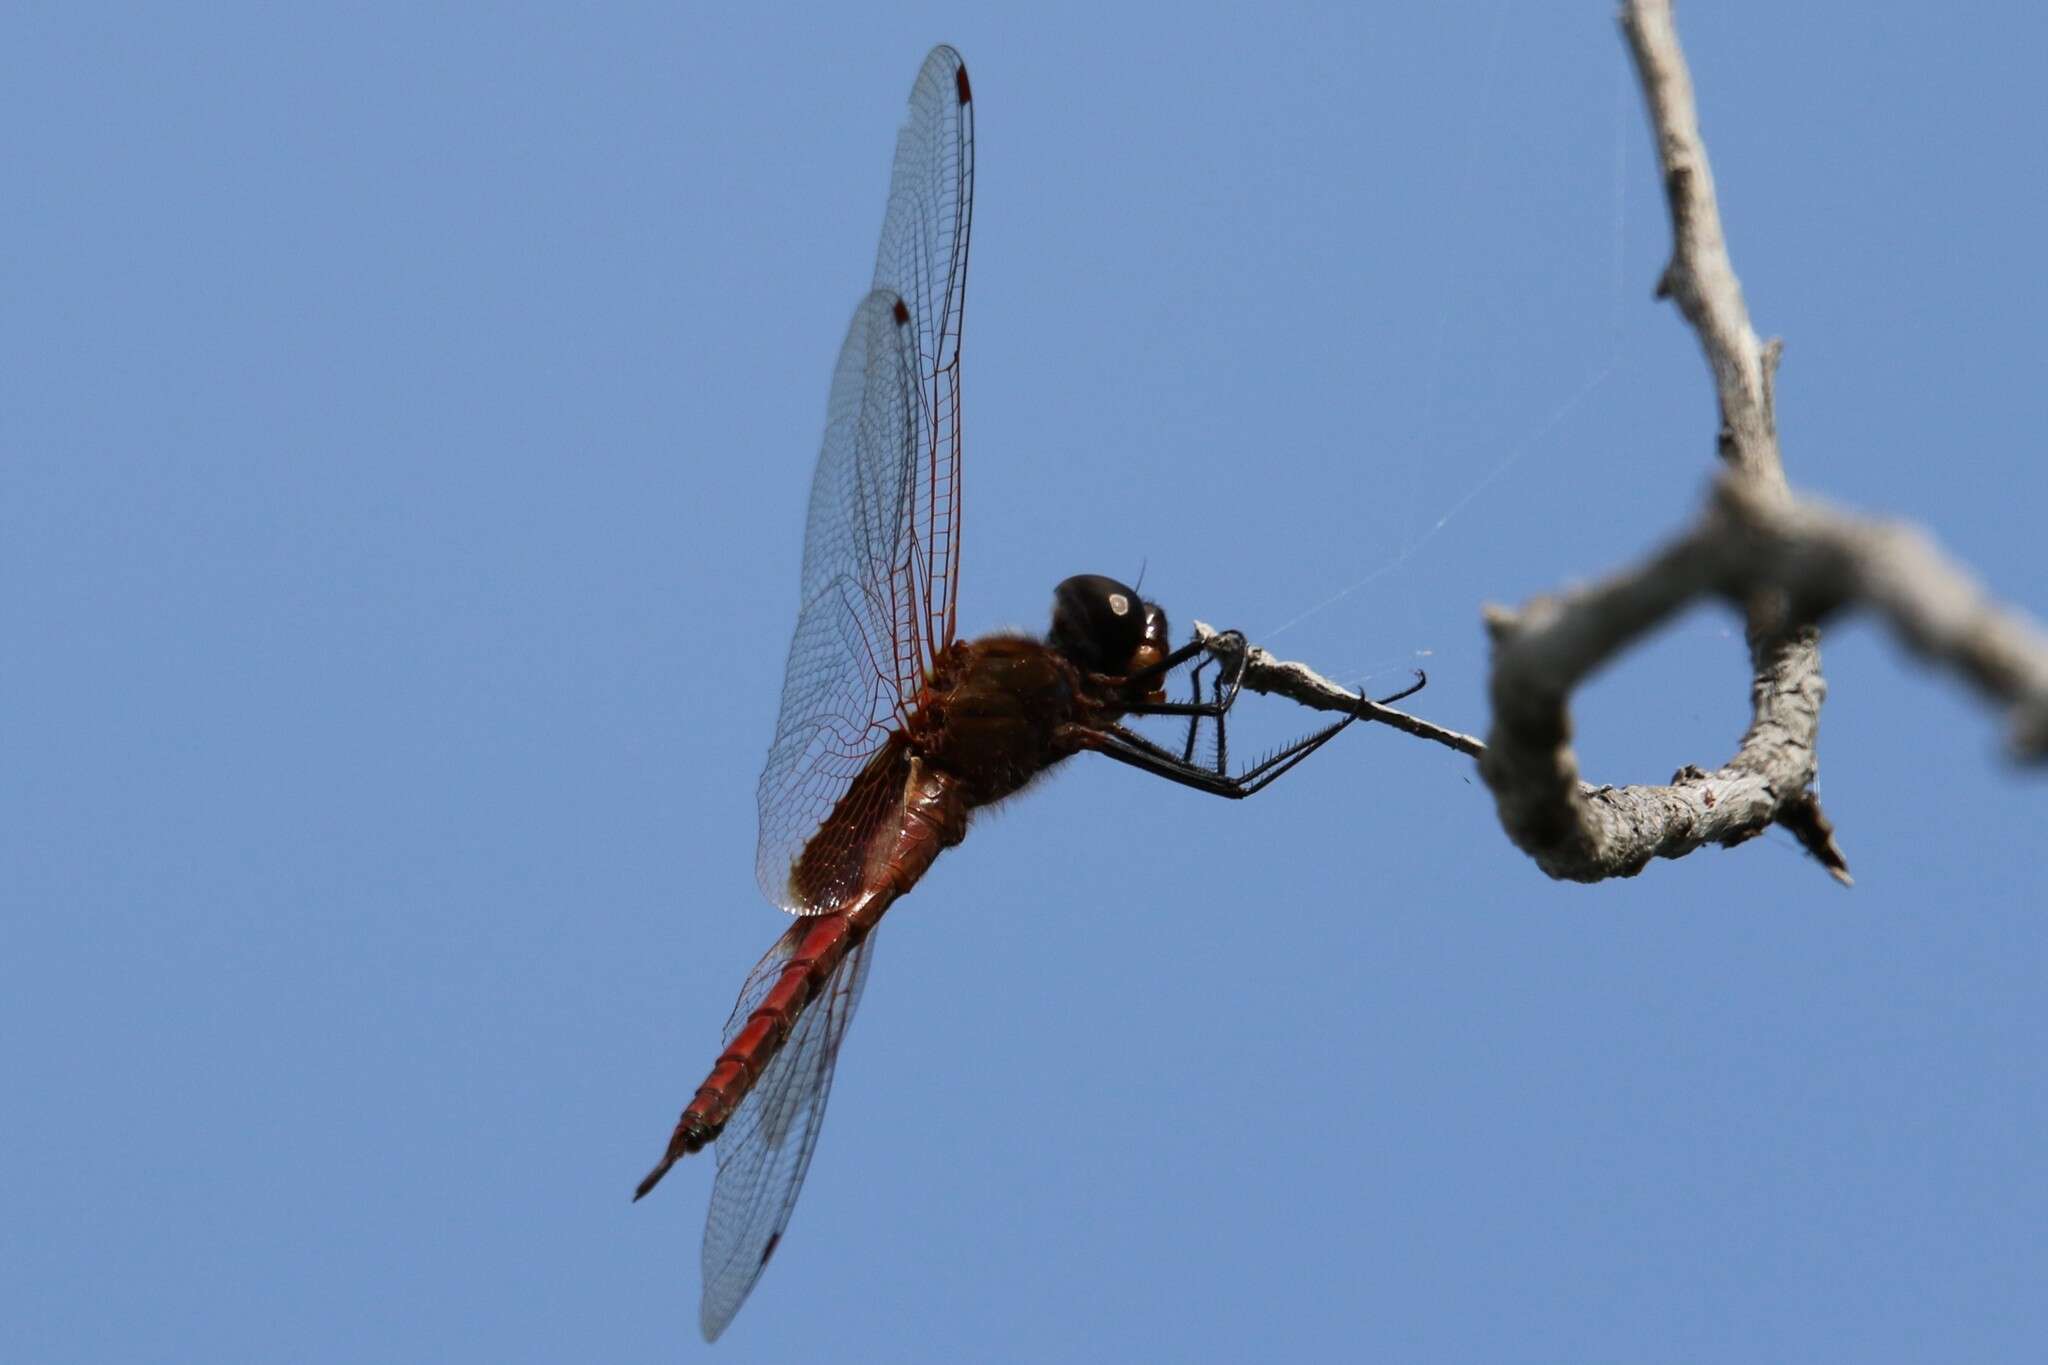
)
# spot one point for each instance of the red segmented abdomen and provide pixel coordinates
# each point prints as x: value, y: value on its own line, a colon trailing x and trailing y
x: 825, y: 943
x: 934, y: 818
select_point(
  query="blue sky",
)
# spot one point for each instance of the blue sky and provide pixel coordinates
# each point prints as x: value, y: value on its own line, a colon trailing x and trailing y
x: 405, y: 418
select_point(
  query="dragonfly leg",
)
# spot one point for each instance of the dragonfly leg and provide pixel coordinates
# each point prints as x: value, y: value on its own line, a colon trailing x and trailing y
x: 1129, y: 747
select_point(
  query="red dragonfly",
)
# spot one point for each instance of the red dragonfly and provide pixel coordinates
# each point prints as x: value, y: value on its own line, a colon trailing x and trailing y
x: 893, y: 731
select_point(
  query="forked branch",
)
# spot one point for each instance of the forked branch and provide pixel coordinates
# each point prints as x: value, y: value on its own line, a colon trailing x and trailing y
x: 1785, y: 564
x: 1542, y: 651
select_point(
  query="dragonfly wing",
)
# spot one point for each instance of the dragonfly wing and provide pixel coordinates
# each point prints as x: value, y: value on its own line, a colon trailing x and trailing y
x: 844, y: 690
x: 766, y: 1149
x: 881, y: 539
x: 923, y: 258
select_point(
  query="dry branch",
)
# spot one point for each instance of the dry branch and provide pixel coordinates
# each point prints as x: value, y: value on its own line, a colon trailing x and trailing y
x: 1786, y: 564
x: 1299, y: 682
x: 1822, y: 562
x: 1750, y: 547
x: 1541, y: 652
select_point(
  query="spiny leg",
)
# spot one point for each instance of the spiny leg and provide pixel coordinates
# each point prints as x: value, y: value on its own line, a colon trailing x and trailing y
x: 1127, y: 746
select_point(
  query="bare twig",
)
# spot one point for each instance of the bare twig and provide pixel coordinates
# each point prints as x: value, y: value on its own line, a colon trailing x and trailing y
x: 1299, y: 682
x: 1786, y: 564
x: 1811, y: 562
x: 1542, y: 651
x: 1700, y: 278
x: 1822, y: 561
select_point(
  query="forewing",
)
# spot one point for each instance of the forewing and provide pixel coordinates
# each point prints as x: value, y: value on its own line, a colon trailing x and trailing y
x: 766, y: 1147
x: 923, y: 258
x: 881, y: 544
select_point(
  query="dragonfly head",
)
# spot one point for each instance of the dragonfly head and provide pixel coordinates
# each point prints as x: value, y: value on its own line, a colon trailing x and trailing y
x: 1102, y: 625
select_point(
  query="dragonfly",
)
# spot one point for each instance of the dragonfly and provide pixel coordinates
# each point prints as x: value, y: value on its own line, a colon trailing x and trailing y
x: 892, y: 730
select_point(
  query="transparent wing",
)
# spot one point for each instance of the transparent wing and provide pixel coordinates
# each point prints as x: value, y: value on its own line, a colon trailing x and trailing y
x: 841, y: 693
x: 923, y: 258
x: 881, y: 543
x: 766, y: 1148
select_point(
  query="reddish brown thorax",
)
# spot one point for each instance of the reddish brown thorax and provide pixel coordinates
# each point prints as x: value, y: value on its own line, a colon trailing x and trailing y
x: 994, y: 712
x: 990, y: 719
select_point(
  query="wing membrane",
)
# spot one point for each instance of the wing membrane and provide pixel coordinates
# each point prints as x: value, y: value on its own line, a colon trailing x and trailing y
x: 881, y: 542
x: 923, y: 258
x: 841, y: 695
x: 765, y: 1150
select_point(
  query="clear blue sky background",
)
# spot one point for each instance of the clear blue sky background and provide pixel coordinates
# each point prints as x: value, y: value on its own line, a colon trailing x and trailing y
x: 407, y: 414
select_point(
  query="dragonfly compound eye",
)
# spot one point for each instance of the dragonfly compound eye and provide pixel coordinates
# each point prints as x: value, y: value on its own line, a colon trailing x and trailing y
x: 1097, y: 622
